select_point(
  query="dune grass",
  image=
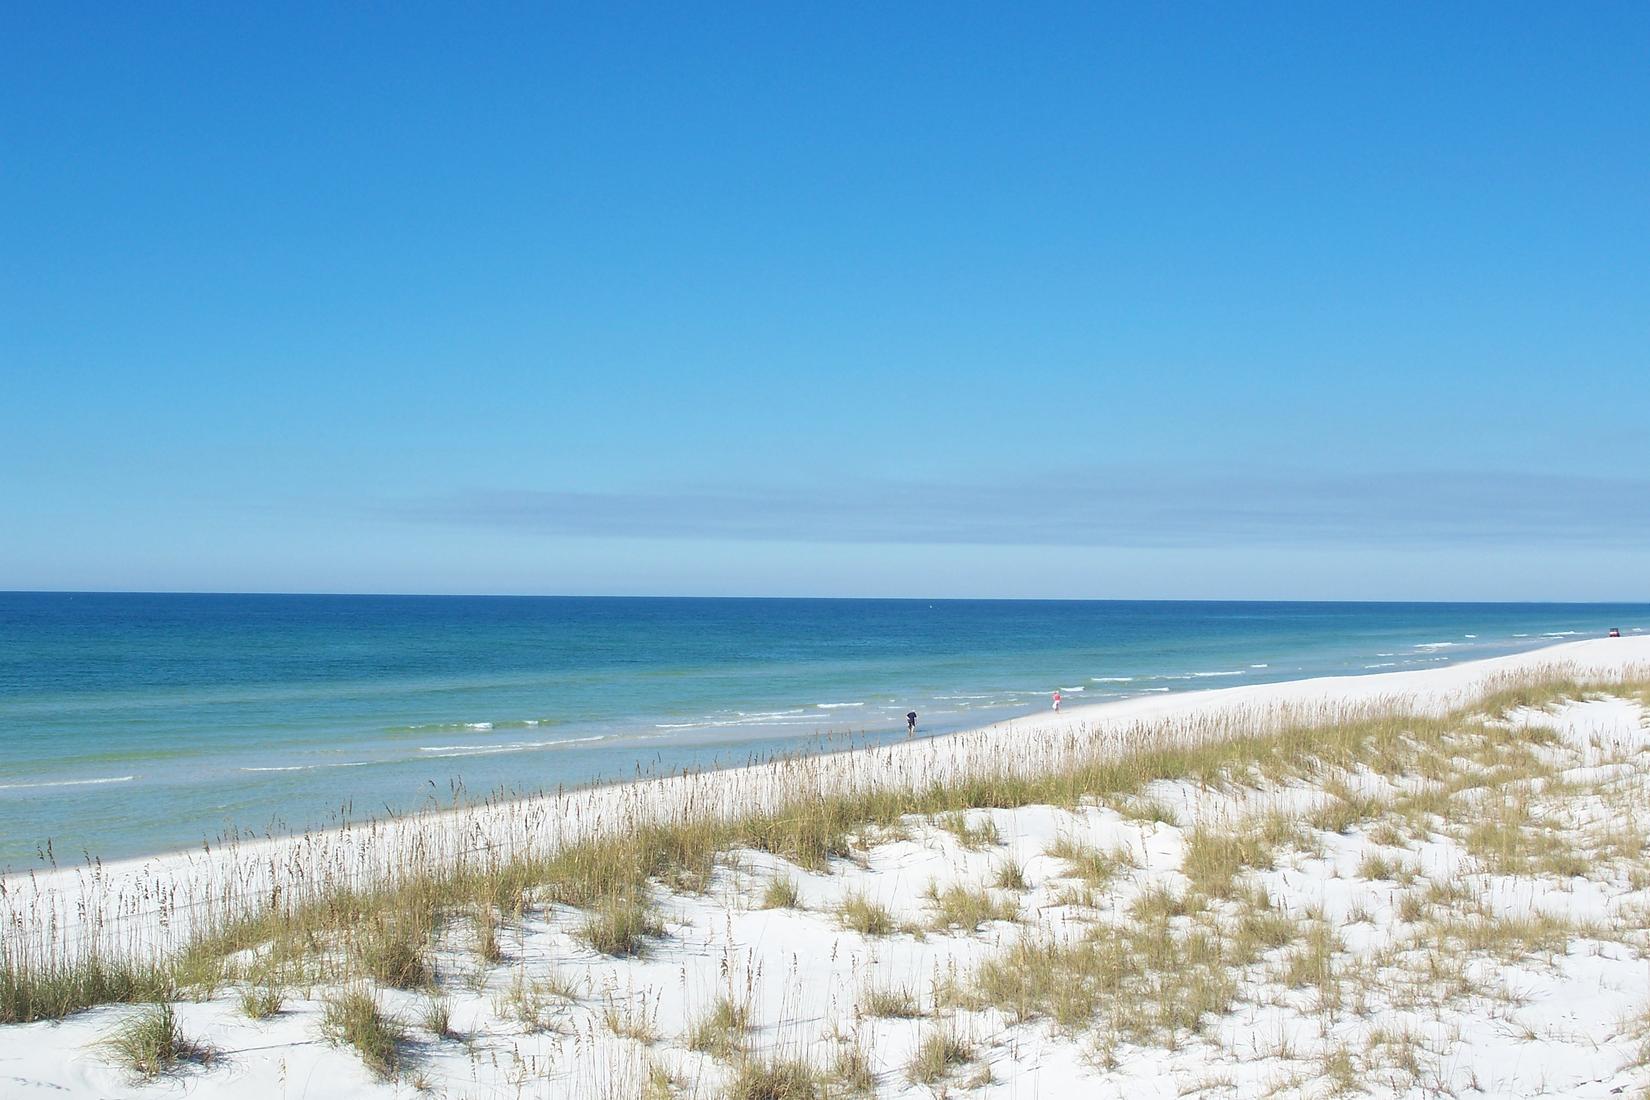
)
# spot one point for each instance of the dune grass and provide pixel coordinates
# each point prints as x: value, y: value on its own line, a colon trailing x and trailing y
x: 858, y: 913
x: 49, y: 988
x: 260, y: 1002
x: 895, y: 1002
x: 720, y: 1030
x: 1088, y: 863
x: 150, y: 1044
x: 777, y: 1079
x: 620, y: 926
x: 966, y: 907
x: 973, y: 834
x: 937, y: 1054
x: 354, y: 1018
x: 781, y: 893
x: 437, y: 1018
x: 384, y: 922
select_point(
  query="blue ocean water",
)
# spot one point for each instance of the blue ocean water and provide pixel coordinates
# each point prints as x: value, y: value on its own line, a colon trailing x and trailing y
x: 134, y: 723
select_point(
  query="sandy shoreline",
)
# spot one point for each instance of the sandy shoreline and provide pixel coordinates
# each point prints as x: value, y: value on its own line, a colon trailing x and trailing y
x: 1491, y: 944
x: 154, y: 902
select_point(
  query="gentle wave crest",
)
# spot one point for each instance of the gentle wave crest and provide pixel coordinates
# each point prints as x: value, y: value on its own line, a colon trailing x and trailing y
x: 66, y: 783
x: 443, y: 752
x: 306, y: 767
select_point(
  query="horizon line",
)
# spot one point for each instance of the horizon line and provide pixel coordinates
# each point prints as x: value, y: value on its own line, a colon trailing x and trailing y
x: 684, y: 596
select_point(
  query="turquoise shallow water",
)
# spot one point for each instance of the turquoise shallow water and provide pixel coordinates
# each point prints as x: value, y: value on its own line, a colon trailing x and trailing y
x: 138, y: 723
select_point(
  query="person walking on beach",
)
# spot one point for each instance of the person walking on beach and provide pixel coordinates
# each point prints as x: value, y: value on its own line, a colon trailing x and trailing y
x: 1056, y: 702
x: 910, y: 722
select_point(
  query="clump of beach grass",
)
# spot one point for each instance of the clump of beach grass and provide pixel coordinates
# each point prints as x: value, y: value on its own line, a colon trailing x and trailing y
x: 1009, y: 875
x: 1149, y: 810
x: 937, y: 1054
x: 851, y: 1070
x: 260, y: 1002
x: 354, y: 1018
x: 959, y: 906
x: 776, y: 1079
x: 528, y: 1001
x: 969, y: 834
x: 620, y: 926
x: 896, y: 1002
x: 1344, y: 808
x: 1215, y: 859
x: 395, y: 953
x: 484, y: 926
x: 1088, y: 862
x: 781, y: 893
x: 720, y: 1031
x: 51, y: 987
x: 858, y: 913
x: 149, y: 1043
x: 438, y: 1018
x: 630, y: 1020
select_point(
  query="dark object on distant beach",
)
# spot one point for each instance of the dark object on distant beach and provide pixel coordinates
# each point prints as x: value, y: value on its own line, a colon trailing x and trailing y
x: 910, y: 721
x: 1615, y: 632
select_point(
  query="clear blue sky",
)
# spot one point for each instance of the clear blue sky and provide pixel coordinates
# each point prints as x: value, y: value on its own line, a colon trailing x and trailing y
x: 1159, y: 300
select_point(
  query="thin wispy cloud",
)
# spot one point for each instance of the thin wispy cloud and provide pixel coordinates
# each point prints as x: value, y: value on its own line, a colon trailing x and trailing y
x: 1151, y: 507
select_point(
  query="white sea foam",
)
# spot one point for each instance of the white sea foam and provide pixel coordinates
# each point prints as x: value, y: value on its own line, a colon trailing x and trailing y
x: 1111, y: 679
x: 1072, y: 689
x: 1561, y: 633
x: 1383, y: 664
x: 478, y: 725
x: 837, y: 706
x: 66, y: 783
x: 1260, y: 666
x: 796, y: 718
x: 442, y: 752
x: 1201, y: 675
x: 306, y: 767
x: 1433, y: 645
x: 1469, y: 635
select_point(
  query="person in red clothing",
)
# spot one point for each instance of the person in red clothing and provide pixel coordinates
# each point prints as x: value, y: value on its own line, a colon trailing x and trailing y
x: 1056, y: 702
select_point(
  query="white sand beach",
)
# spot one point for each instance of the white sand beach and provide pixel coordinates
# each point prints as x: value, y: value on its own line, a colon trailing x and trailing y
x: 1491, y: 942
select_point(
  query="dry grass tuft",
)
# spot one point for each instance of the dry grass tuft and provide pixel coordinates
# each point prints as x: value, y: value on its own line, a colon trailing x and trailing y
x: 780, y: 1079
x: 260, y: 1002
x: 721, y: 1030
x: 620, y: 926
x: 355, y: 1019
x: 857, y: 913
x: 965, y: 907
x: 970, y: 835
x: 781, y: 893
x: 895, y: 1002
x: 150, y: 1044
x: 937, y: 1054
x: 1214, y: 860
x: 1009, y: 876
x: 1088, y: 863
